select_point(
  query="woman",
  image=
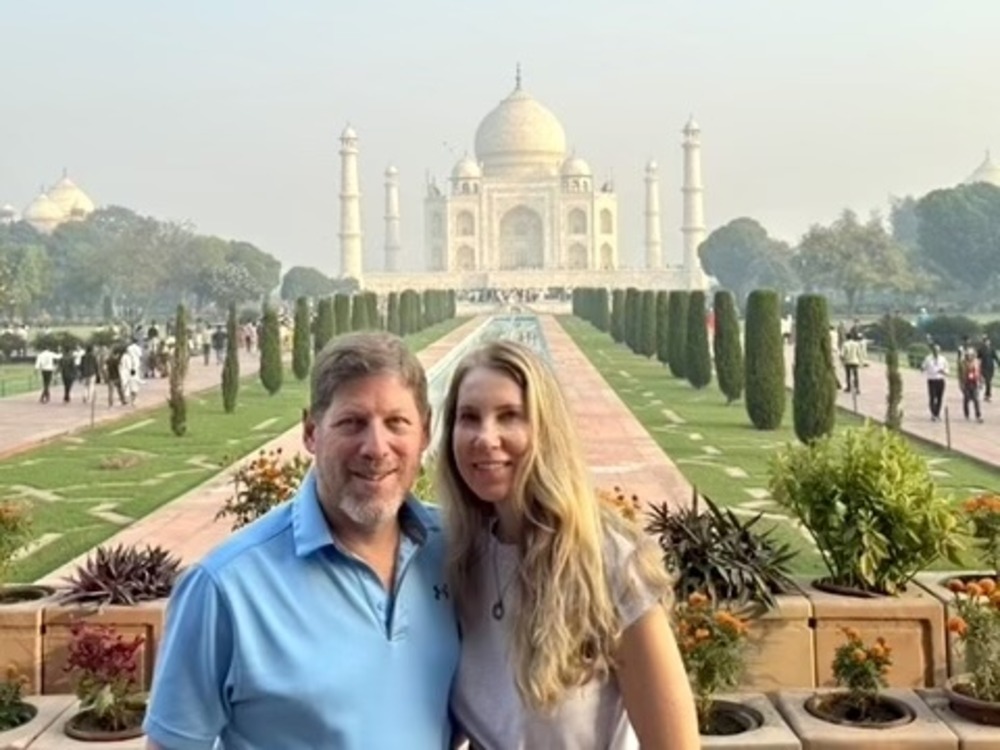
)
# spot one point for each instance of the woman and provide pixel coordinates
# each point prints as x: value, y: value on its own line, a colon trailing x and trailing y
x: 566, y: 637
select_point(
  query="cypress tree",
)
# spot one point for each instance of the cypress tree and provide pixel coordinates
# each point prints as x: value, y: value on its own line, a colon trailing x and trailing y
x: 270, y: 352
x: 647, y: 345
x: 677, y: 312
x: 814, y: 391
x: 301, y: 352
x: 894, y: 396
x: 765, y: 360
x: 662, y: 327
x: 602, y: 316
x: 392, y: 322
x: 633, y: 311
x: 231, y: 366
x: 371, y: 302
x: 697, y: 361
x: 359, y: 313
x: 727, y: 347
x: 325, y: 324
x: 618, y: 315
x: 178, y: 370
x: 341, y: 314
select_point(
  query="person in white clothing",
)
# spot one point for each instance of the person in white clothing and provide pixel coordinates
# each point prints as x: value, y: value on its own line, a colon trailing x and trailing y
x: 566, y: 638
x: 130, y: 371
x: 45, y: 363
x: 935, y: 369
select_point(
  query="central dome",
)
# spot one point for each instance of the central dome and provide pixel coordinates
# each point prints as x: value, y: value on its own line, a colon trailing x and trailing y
x: 520, y: 136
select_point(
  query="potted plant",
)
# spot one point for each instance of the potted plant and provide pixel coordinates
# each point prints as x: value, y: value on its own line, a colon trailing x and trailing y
x: 15, y: 532
x: 976, y: 624
x: 266, y: 481
x: 14, y: 710
x: 124, y: 587
x: 105, y: 666
x: 869, y: 502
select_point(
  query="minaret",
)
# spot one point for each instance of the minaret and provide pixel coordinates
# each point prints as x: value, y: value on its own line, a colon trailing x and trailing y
x: 654, y: 246
x: 693, y: 228
x: 392, y: 242
x: 350, y: 206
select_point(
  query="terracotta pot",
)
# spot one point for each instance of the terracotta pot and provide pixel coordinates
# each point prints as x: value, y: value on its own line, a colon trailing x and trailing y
x: 729, y: 718
x: 82, y: 726
x: 968, y: 706
x: 835, y: 709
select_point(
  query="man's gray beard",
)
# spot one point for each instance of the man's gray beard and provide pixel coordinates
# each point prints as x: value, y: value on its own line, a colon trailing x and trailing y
x: 369, y: 514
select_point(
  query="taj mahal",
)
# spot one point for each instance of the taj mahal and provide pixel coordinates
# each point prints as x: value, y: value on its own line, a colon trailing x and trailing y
x: 523, y: 213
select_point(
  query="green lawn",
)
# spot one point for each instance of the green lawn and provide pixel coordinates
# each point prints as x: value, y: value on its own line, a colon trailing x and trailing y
x: 18, y: 378
x: 134, y: 465
x: 716, y: 448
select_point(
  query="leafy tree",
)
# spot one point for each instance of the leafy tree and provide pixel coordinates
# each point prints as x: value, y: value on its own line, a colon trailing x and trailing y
x: 764, y: 360
x: 959, y: 233
x: 727, y: 347
x: 301, y: 349
x: 301, y: 281
x: 677, y: 312
x: 325, y: 323
x: 853, y: 258
x: 178, y: 371
x: 697, y: 361
x: 263, y: 268
x: 618, y: 315
x: 647, y: 344
x: 904, y: 222
x: 231, y: 285
x: 231, y: 366
x: 814, y: 395
x: 662, y: 327
x: 742, y: 257
x: 270, y: 351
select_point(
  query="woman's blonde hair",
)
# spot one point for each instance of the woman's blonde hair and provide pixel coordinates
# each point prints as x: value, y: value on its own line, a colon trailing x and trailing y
x: 567, y: 629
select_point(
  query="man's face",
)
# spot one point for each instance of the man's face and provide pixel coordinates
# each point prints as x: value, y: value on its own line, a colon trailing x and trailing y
x: 367, y: 446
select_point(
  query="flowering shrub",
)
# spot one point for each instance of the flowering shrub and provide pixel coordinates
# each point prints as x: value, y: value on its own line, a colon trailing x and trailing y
x: 629, y: 507
x: 13, y: 710
x: 977, y: 626
x: 14, y: 526
x: 984, y: 512
x: 106, y: 665
x: 712, y: 643
x: 265, y: 482
x: 861, y: 669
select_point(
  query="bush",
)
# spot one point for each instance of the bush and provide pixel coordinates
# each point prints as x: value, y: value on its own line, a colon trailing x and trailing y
x: 392, y: 320
x: 728, y: 347
x: 697, y: 361
x: 764, y: 364
x: 122, y: 575
x: 341, y: 314
x: 662, y: 327
x: 647, y: 331
x: 677, y: 323
x: 359, y: 313
x: 633, y: 319
x: 301, y: 350
x: 814, y: 395
x: 618, y: 315
x: 14, y: 712
x: 231, y: 366
x: 916, y: 353
x: 260, y: 485
x: 906, y: 333
x: 947, y: 330
x: 270, y: 352
x: 325, y: 325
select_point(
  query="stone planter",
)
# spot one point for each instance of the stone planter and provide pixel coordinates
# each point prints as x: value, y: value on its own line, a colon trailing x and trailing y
x: 55, y: 737
x: 913, y: 623
x: 925, y: 732
x: 145, y: 619
x: 934, y: 582
x: 782, y: 649
x: 773, y: 735
x: 971, y: 735
x: 50, y: 709
x: 21, y: 639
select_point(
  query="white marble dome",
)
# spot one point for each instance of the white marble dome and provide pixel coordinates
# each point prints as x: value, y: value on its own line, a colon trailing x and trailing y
x: 574, y: 166
x: 520, y: 134
x: 988, y: 171
x: 43, y: 213
x: 72, y: 201
x: 466, y: 168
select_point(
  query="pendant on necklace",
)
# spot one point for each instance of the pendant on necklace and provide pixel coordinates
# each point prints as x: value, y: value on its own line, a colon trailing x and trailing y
x: 498, y: 610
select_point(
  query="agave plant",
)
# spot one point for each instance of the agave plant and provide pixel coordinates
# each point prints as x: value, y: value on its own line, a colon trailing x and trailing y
x: 717, y: 553
x: 122, y: 575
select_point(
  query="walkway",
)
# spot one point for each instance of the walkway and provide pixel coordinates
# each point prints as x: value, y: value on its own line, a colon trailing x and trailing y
x: 24, y: 422
x: 619, y: 452
x: 980, y: 441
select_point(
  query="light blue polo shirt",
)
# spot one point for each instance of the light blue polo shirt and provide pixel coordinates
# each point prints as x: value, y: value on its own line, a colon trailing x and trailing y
x: 280, y: 640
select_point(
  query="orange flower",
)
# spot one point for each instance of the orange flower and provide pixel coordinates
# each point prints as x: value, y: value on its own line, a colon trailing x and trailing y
x: 859, y: 655
x: 988, y: 585
x: 697, y: 599
x: 702, y: 634
x: 956, y: 586
x: 957, y: 626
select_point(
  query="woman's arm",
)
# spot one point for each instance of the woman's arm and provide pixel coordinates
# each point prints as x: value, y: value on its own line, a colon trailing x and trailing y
x: 654, y: 685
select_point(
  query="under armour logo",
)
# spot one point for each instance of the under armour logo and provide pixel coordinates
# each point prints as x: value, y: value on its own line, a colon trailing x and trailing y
x: 441, y: 591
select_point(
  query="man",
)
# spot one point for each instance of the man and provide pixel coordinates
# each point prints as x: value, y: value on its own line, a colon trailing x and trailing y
x: 851, y: 357
x: 326, y: 623
x: 935, y: 369
x: 988, y: 358
x: 970, y: 378
x: 45, y: 363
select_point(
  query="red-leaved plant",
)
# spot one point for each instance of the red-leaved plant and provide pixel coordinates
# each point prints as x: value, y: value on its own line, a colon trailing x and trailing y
x: 106, y: 664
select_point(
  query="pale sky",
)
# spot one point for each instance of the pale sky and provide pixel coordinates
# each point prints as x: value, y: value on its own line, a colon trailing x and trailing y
x: 227, y: 114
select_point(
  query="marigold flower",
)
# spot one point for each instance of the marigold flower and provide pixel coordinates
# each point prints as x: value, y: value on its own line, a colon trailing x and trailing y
x: 702, y: 634
x: 697, y: 599
x: 956, y: 586
x: 973, y: 590
x: 988, y: 585
x: 957, y: 625
x: 859, y: 655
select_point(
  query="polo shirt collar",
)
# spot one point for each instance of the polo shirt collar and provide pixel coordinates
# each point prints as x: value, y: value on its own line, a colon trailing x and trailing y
x: 310, y: 531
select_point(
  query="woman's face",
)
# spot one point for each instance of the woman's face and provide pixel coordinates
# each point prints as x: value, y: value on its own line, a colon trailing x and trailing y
x: 491, y: 433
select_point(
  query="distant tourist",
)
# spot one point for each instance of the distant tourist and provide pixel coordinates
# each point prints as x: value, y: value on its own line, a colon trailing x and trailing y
x: 970, y: 376
x: 130, y: 370
x: 988, y: 359
x: 935, y: 369
x: 68, y: 371
x: 45, y: 363
x: 89, y: 373
x: 852, y: 357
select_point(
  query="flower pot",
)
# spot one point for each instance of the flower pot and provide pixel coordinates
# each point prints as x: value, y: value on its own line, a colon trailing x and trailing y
x: 971, y: 735
x: 772, y: 733
x: 966, y: 705
x: 885, y: 712
x: 782, y: 647
x: 729, y: 718
x: 21, y: 617
x: 48, y: 709
x: 936, y: 582
x: 85, y: 726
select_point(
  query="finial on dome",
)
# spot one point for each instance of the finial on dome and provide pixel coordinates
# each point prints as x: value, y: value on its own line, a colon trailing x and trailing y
x: 517, y: 78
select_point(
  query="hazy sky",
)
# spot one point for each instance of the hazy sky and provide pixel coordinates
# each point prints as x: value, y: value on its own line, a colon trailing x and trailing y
x: 227, y: 114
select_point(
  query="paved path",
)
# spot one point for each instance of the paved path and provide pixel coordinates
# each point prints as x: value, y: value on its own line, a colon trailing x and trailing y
x: 980, y: 441
x: 24, y: 422
x: 619, y: 451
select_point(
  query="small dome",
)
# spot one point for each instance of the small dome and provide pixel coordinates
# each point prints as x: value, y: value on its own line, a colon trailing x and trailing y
x: 43, y: 209
x: 72, y: 201
x: 7, y: 212
x: 391, y: 171
x: 520, y: 134
x: 651, y: 165
x: 574, y: 166
x: 988, y: 171
x: 466, y: 169
x: 692, y: 126
x: 348, y: 134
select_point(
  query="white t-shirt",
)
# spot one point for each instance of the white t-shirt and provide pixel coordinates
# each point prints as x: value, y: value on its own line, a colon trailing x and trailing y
x: 485, y: 700
x: 935, y: 368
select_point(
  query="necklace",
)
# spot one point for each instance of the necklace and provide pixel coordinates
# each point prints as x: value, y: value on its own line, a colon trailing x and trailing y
x: 498, y: 610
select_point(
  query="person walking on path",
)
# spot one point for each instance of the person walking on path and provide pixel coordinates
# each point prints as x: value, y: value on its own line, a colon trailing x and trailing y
x: 89, y: 373
x: 45, y: 363
x: 68, y: 372
x: 130, y: 370
x: 970, y: 377
x: 851, y: 357
x: 935, y: 369
x: 988, y: 358
x: 113, y: 375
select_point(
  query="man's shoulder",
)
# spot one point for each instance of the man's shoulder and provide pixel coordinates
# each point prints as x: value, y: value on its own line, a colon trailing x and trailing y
x: 254, y: 539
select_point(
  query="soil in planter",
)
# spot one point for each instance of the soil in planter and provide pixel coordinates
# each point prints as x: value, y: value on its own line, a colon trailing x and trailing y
x: 87, y: 727
x: 19, y: 594
x: 825, y: 584
x: 12, y: 717
x: 837, y: 708
x: 730, y: 718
